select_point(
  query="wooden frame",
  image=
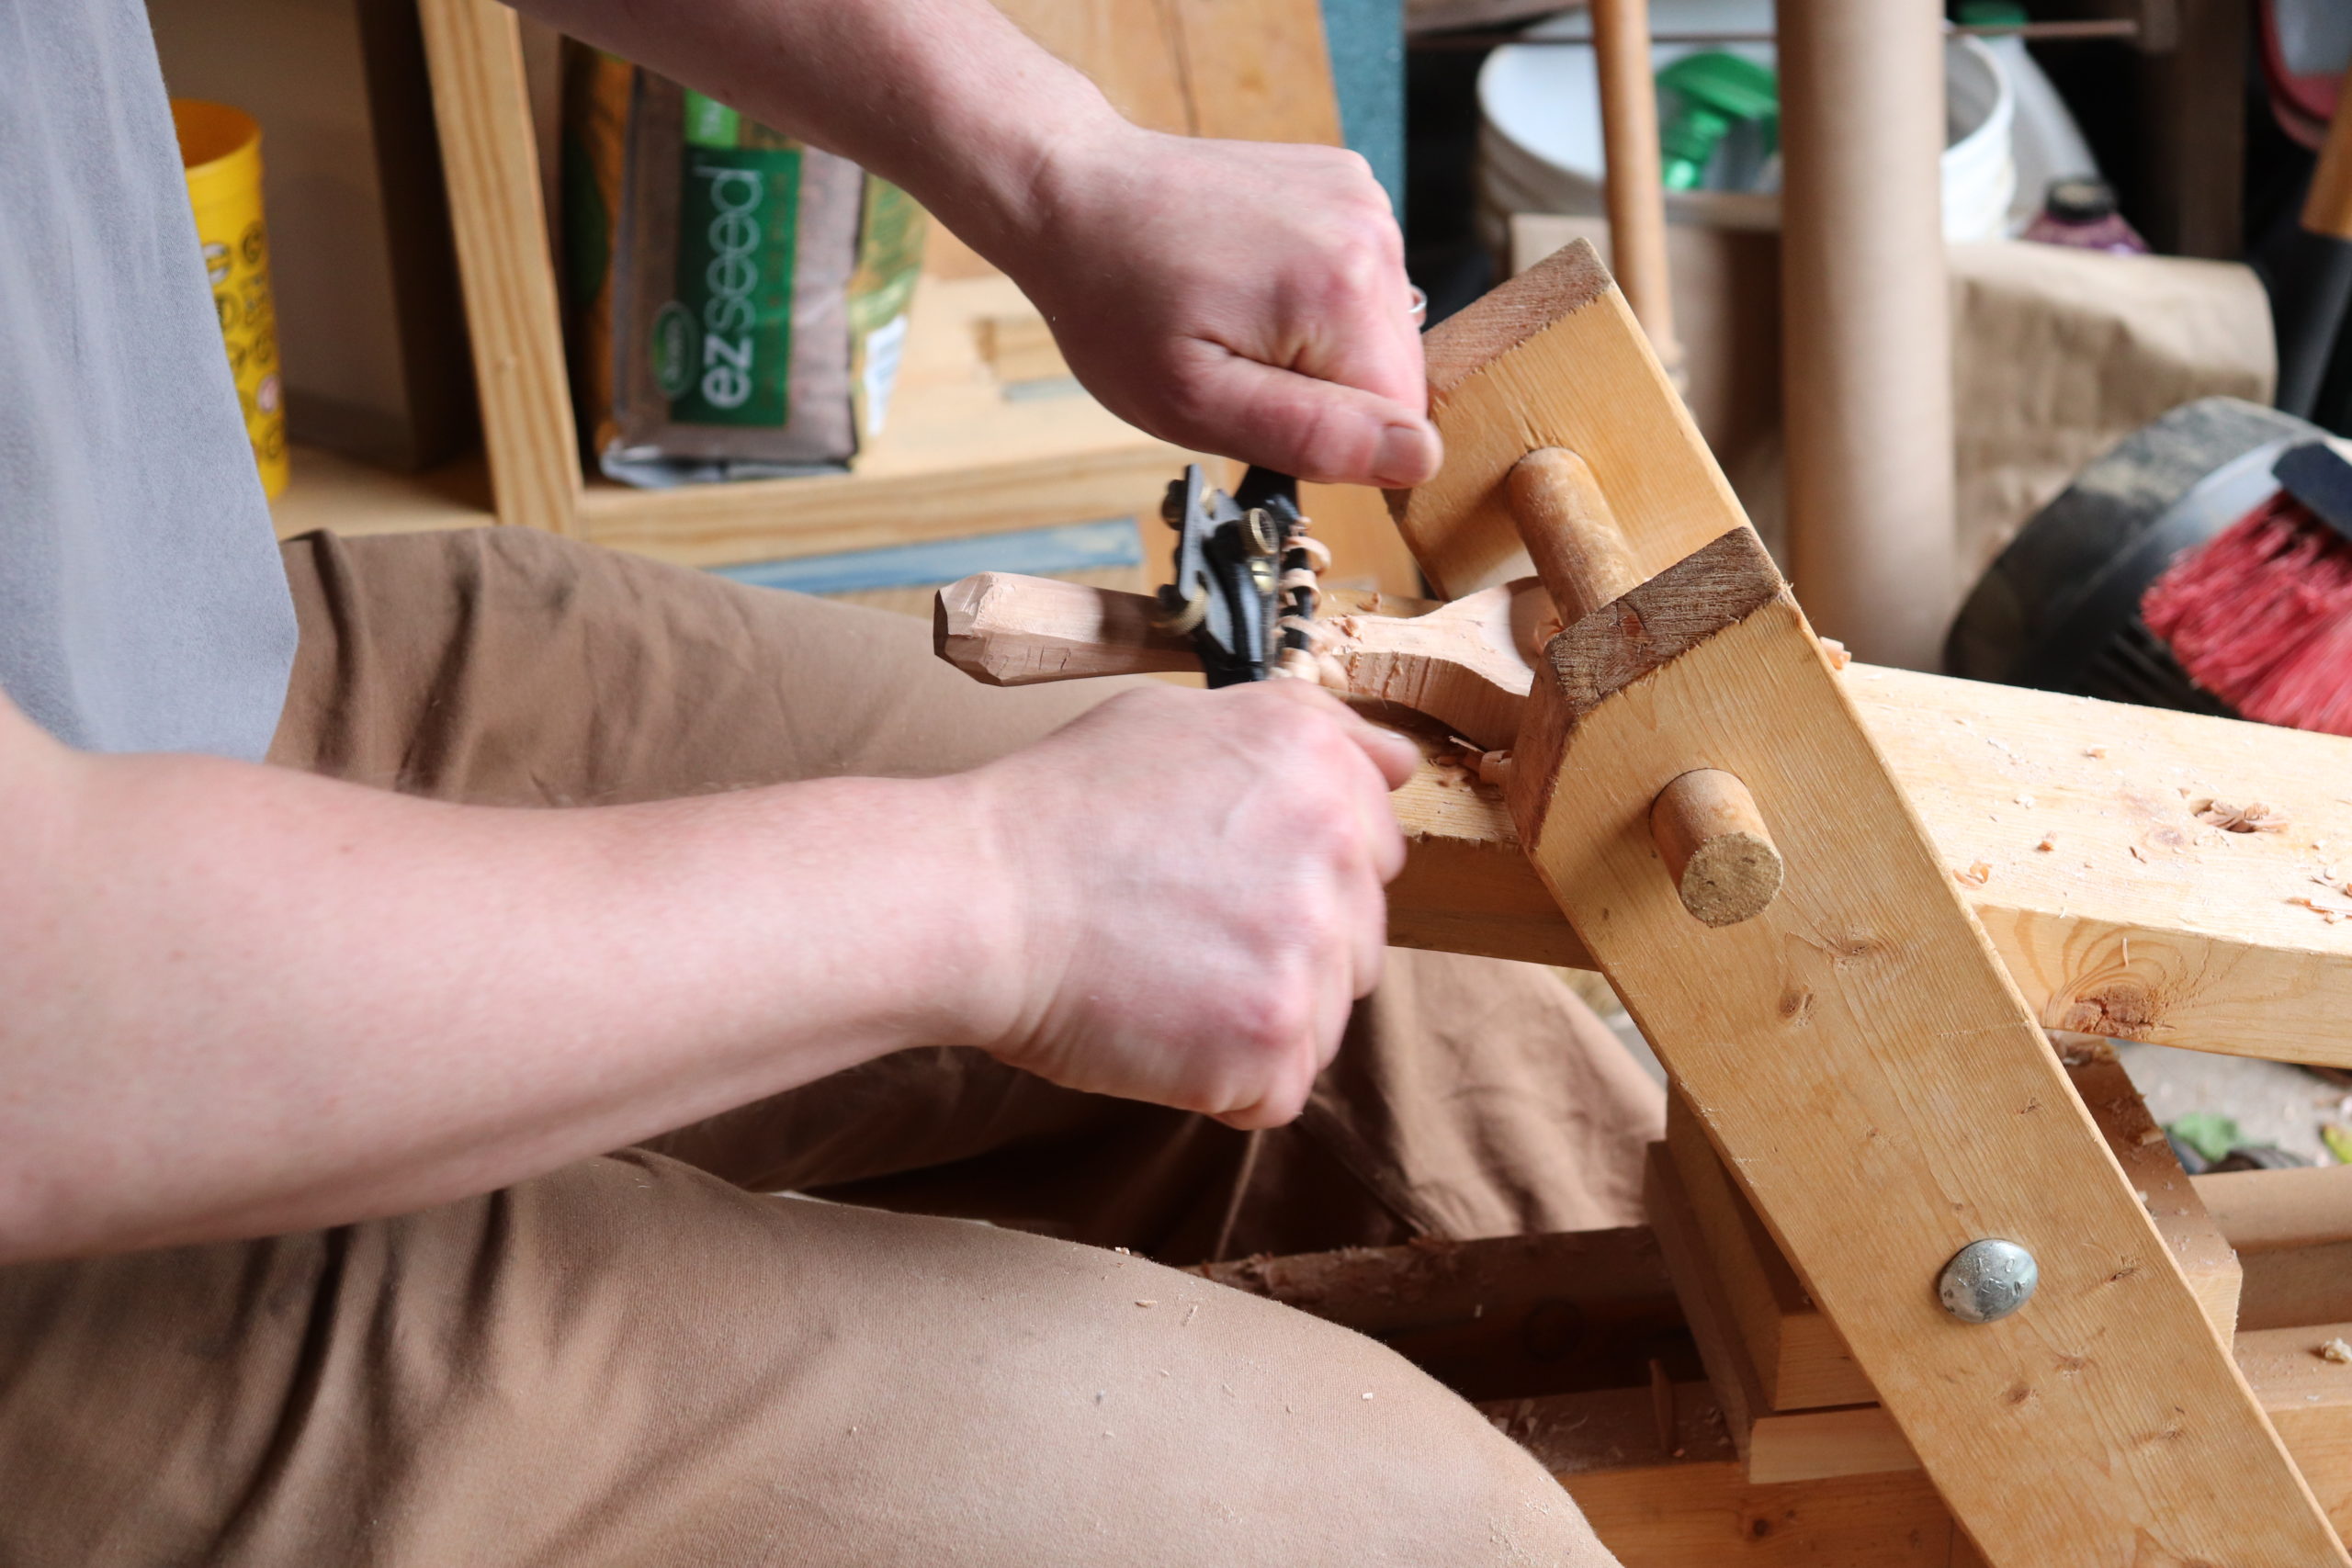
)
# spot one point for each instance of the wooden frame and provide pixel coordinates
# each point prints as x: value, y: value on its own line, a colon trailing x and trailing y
x: 1855, y: 1032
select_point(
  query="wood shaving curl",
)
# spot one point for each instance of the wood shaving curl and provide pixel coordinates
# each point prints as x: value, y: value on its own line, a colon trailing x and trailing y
x: 2254, y: 818
x: 1976, y: 875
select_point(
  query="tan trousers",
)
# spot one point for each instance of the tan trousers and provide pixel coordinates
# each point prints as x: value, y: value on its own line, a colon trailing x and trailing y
x: 639, y: 1359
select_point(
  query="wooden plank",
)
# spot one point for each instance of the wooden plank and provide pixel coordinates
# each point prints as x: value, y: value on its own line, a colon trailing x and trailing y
x: 1710, y: 1516
x: 1815, y: 1444
x: 2190, y: 1231
x: 505, y: 265
x: 1127, y: 47
x: 2292, y: 1230
x: 1861, y: 1020
x: 1799, y: 1361
x: 2307, y: 1397
x: 1257, y: 70
x: 1705, y: 1305
x: 1466, y: 888
x: 2139, y: 922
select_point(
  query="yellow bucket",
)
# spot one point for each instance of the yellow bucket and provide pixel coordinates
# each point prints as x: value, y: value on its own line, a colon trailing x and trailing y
x: 220, y: 147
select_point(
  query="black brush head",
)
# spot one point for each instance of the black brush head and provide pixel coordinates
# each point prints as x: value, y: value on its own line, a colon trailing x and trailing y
x: 2059, y: 608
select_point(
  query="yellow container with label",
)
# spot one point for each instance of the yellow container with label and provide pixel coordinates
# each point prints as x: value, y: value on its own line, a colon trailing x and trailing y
x: 220, y: 147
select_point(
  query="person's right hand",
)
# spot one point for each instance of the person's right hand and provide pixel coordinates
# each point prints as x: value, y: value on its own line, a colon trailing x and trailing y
x: 1191, y: 890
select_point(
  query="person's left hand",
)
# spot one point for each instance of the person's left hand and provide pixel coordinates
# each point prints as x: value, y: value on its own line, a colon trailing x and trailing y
x: 1246, y: 298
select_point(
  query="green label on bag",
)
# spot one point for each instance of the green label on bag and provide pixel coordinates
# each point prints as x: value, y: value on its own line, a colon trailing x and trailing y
x: 735, y: 239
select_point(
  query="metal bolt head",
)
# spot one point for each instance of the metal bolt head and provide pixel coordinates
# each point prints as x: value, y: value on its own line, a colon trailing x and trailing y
x: 1986, y: 1280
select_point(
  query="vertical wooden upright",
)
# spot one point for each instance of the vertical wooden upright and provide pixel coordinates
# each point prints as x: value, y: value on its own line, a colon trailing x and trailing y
x: 1867, y: 343
x: 504, y: 262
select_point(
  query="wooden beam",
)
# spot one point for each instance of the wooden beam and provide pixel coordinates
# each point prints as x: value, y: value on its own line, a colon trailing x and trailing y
x: 2139, y: 922
x: 505, y: 264
x: 2292, y: 1230
x: 1861, y: 1020
x: 1793, y: 1356
x: 1707, y: 1306
x: 2307, y: 1397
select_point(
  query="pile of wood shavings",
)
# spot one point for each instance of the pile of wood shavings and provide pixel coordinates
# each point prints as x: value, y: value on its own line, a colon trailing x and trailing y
x: 2331, y: 913
x: 2255, y: 818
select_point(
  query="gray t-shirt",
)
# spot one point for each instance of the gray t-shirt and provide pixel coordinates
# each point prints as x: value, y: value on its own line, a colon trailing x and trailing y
x: 142, y: 607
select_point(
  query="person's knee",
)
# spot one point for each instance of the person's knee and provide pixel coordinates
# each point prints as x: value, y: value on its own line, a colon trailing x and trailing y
x: 1055, y: 1403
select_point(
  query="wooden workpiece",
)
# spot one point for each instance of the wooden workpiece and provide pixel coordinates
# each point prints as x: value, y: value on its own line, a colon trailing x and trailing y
x: 1861, y: 1022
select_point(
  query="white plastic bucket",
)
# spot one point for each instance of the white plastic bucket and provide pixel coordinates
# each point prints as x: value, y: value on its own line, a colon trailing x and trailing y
x: 1540, y: 147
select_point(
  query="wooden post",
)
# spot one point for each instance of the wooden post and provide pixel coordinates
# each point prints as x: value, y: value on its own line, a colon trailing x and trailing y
x: 1634, y: 184
x: 1867, y: 340
x: 504, y: 262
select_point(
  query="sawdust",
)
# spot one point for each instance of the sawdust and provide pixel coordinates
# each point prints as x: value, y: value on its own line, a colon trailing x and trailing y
x: 1838, y: 657
x: 2049, y: 842
x: 2335, y: 1350
x: 1976, y: 875
x: 2253, y: 818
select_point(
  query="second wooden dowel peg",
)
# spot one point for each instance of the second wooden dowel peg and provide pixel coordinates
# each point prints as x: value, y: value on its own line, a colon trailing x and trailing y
x: 1715, y: 845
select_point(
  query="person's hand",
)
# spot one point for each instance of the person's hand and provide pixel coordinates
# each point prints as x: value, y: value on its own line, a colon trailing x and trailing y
x: 1244, y: 299
x: 1188, y: 891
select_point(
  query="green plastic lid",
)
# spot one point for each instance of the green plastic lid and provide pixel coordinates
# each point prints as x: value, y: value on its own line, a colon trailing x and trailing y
x: 1710, y: 92
x: 1992, y: 14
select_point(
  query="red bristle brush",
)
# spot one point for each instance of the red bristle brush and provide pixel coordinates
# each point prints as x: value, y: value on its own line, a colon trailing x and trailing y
x: 2260, y: 616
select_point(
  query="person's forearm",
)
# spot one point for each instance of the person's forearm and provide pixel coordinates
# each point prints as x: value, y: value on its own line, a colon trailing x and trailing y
x: 241, y: 1000
x: 943, y: 97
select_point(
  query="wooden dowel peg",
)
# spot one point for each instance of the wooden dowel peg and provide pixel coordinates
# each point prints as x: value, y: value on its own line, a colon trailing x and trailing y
x: 1578, y: 550
x: 1715, y: 843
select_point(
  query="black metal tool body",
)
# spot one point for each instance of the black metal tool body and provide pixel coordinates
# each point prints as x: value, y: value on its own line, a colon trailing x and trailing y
x: 1232, y: 552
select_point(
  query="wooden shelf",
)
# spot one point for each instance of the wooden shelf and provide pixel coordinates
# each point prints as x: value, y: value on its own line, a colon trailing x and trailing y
x: 352, y: 497
x: 963, y: 452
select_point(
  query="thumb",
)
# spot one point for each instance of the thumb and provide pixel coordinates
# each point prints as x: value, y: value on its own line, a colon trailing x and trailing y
x: 1315, y: 430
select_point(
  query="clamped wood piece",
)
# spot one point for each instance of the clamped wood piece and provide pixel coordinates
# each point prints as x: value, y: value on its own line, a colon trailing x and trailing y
x: 1857, y: 1052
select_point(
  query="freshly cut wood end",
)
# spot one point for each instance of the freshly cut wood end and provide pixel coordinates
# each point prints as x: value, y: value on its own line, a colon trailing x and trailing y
x: 1732, y: 877
x: 1716, y: 847
x: 1561, y: 283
